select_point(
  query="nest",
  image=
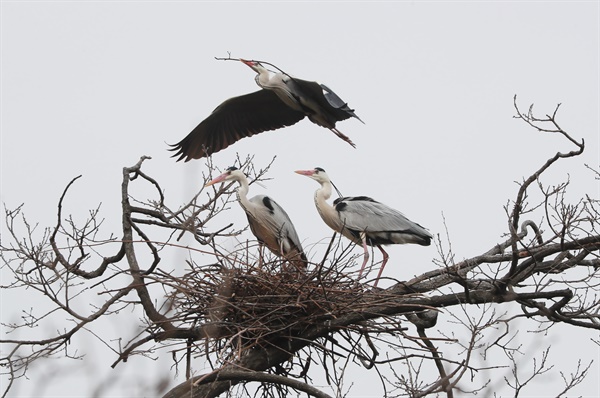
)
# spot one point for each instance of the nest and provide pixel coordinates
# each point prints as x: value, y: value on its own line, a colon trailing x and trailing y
x: 251, y: 305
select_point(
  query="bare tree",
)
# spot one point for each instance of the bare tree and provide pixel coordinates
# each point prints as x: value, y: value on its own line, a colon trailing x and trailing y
x: 255, y: 320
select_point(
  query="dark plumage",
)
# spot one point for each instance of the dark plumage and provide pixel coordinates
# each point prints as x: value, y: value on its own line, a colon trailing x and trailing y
x: 283, y: 101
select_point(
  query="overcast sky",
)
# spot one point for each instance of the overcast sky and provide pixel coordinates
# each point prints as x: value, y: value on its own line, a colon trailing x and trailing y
x: 89, y: 87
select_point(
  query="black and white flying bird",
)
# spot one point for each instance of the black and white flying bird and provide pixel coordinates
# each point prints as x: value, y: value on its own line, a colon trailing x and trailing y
x: 283, y: 101
x: 364, y: 220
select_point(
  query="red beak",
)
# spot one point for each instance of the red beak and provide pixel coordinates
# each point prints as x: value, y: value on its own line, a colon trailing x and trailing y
x: 307, y: 173
x: 217, y: 180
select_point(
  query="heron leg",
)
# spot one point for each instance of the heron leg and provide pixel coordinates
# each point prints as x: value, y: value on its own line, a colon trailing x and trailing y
x: 343, y: 136
x: 363, y: 237
x: 260, y: 254
x: 282, y: 255
x: 385, y: 259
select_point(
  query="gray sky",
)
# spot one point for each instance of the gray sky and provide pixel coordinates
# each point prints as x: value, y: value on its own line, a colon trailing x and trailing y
x: 89, y: 87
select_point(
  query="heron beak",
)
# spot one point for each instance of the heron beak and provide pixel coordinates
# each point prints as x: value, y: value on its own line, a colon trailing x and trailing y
x: 307, y: 173
x: 249, y: 63
x: 220, y: 178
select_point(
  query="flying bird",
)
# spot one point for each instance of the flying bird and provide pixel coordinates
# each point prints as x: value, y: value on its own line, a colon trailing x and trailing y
x: 268, y: 221
x: 364, y: 220
x: 283, y: 101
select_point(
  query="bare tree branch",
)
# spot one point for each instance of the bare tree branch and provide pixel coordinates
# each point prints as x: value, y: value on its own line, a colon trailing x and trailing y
x: 251, y: 318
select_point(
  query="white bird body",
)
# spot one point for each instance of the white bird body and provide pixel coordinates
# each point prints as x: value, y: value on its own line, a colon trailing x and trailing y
x: 365, y: 221
x: 268, y: 221
x: 283, y: 101
x: 277, y: 82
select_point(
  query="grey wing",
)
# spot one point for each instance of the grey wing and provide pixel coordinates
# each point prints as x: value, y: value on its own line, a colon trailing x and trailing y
x: 233, y: 120
x: 365, y: 214
x: 278, y: 222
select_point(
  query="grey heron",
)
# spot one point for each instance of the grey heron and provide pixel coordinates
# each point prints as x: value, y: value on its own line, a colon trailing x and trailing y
x: 365, y: 221
x: 269, y: 223
x: 283, y: 101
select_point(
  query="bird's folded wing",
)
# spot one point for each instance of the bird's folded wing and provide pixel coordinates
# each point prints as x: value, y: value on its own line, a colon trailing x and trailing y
x: 362, y: 213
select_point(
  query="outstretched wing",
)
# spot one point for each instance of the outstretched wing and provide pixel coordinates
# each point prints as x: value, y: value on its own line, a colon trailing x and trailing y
x: 234, y: 119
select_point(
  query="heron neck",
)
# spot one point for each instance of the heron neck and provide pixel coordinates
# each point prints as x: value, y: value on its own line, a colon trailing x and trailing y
x: 242, y: 194
x: 278, y: 84
x: 263, y: 79
x: 327, y: 211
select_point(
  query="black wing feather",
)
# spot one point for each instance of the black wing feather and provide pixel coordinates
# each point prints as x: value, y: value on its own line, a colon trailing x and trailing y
x: 234, y: 119
x: 326, y: 99
x: 338, y: 103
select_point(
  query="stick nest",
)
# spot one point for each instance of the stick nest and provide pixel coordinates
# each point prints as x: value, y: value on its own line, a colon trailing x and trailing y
x: 249, y: 305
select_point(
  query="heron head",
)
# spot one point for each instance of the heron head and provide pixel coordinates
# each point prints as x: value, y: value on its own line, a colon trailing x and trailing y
x: 317, y: 174
x: 231, y: 174
x: 256, y: 66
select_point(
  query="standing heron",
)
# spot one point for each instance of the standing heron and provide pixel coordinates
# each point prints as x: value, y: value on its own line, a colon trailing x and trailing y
x: 283, y: 101
x: 268, y: 221
x: 364, y: 220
